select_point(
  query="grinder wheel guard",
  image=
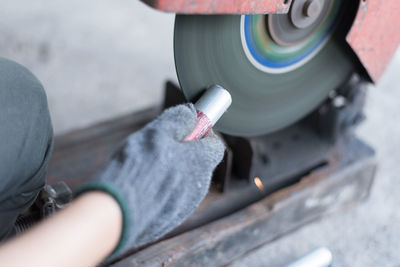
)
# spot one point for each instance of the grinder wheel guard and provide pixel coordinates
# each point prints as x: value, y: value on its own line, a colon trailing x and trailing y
x: 278, y: 68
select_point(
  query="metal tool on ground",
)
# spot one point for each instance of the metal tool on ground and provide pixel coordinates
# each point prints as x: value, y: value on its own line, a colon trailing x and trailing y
x: 210, y: 107
x: 321, y: 257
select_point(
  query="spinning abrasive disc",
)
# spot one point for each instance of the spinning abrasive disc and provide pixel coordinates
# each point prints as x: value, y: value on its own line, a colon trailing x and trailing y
x: 278, y: 68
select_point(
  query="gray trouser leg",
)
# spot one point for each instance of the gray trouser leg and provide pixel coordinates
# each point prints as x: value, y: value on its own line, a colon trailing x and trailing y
x: 26, y: 141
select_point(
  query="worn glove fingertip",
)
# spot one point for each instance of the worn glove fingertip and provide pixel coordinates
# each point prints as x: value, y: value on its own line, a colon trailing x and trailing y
x: 179, y: 113
x: 177, y: 121
x: 212, y: 149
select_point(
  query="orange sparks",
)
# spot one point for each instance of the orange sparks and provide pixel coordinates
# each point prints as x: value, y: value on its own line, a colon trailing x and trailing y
x: 259, y: 184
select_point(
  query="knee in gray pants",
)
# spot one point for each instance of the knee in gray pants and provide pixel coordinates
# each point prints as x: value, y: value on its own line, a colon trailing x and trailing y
x: 26, y: 141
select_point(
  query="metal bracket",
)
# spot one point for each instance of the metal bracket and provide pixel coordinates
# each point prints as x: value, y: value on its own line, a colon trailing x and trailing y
x: 50, y: 199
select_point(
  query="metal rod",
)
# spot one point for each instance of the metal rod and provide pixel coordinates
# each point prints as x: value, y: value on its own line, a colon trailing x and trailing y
x: 321, y: 257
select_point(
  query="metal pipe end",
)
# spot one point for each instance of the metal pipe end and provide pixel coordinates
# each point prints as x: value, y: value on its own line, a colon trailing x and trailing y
x: 214, y: 102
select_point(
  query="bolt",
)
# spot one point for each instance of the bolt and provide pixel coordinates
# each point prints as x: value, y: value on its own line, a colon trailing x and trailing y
x: 339, y: 101
x: 312, y: 8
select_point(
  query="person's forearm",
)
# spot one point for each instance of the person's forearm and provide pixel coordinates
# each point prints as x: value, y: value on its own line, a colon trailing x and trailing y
x: 83, y: 234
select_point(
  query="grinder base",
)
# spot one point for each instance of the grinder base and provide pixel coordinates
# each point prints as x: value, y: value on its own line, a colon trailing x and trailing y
x: 308, y: 170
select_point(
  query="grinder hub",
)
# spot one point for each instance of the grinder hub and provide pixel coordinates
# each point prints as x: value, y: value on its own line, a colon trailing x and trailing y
x: 280, y: 43
x: 304, y: 13
x: 304, y: 18
x: 273, y: 83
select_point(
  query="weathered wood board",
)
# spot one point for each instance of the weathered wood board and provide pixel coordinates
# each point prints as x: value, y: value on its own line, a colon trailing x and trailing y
x: 223, y: 241
x: 345, y: 181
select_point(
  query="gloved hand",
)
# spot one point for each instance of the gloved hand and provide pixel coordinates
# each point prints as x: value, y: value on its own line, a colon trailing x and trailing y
x: 157, y: 178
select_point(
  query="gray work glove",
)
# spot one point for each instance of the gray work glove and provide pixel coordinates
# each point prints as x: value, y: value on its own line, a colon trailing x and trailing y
x: 157, y: 178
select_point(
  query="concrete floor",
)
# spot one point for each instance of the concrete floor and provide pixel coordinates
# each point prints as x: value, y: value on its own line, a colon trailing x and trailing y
x: 96, y: 58
x: 102, y: 58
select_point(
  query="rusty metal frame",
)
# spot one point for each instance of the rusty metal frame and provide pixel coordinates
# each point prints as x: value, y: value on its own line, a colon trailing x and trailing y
x: 375, y: 34
x: 220, y: 6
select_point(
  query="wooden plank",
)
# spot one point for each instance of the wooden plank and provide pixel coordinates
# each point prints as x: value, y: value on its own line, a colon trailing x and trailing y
x: 345, y: 181
x: 225, y: 240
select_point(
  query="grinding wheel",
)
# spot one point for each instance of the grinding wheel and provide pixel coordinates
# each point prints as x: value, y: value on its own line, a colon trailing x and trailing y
x: 278, y: 68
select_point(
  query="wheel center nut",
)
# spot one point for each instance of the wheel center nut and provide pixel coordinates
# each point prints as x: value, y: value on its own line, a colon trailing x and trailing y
x: 312, y: 8
x: 304, y: 13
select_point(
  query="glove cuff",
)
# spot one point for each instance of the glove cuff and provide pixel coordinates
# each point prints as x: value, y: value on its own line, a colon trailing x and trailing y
x: 114, y: 192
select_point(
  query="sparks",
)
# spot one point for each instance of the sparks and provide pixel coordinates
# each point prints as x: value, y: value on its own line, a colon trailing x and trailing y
x: 259, y: 184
